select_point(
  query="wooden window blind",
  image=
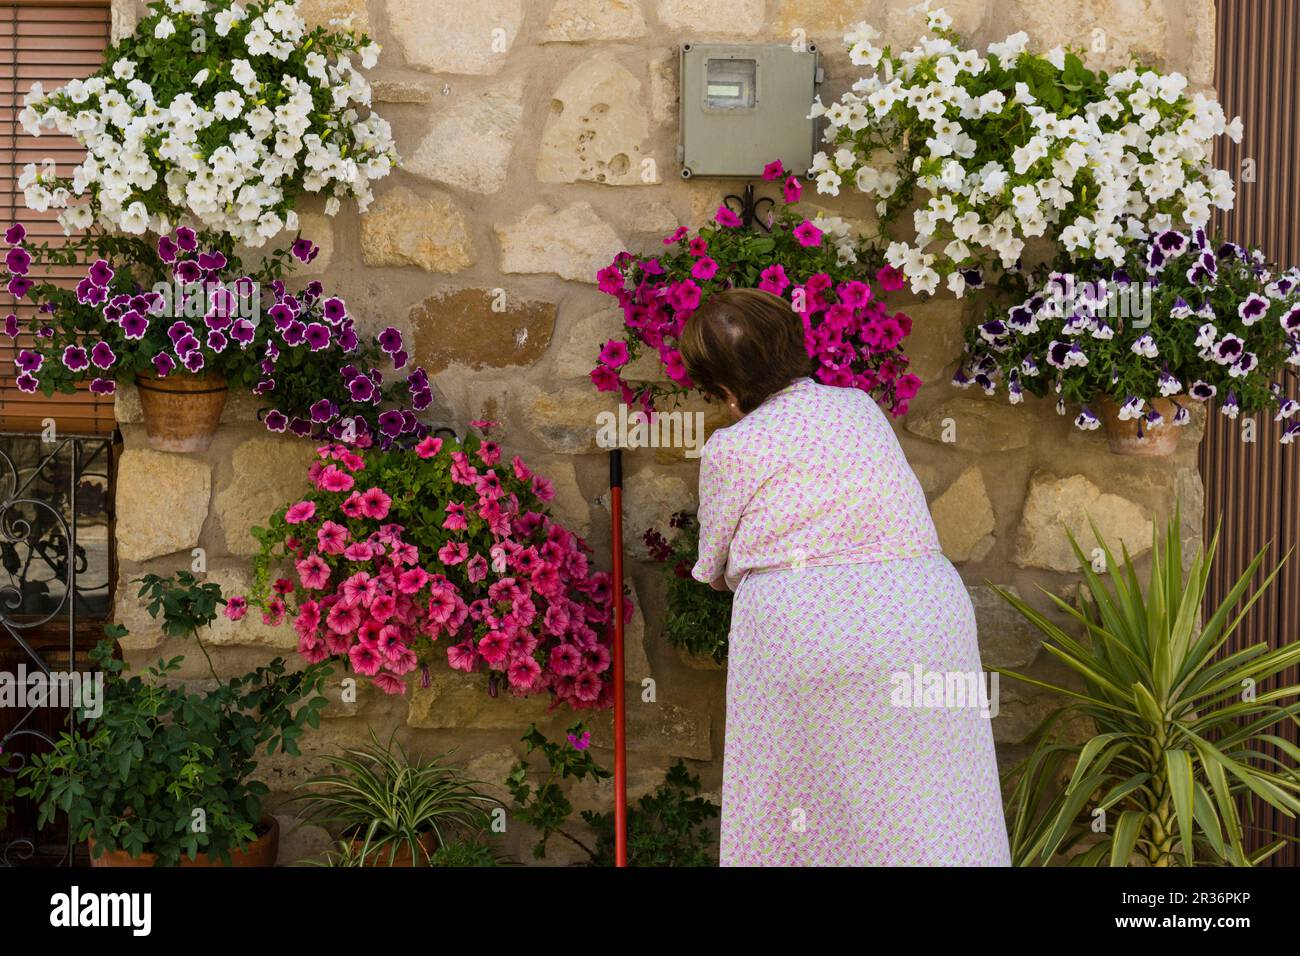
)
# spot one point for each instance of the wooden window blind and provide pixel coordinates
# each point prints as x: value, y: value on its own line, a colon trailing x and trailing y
x: 49, y: 43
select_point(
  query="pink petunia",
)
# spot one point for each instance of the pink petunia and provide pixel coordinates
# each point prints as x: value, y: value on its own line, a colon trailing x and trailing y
x: 375, y: 504
x: 412, y: 581
x: 453, y: 552
x: 390, y: 683
x: 335, y: 478
x: 476, y: 569
x: 455, y: 520
x: 236, y: 607
x: 343, y: 618
x: 313, y: 572
x: 793, y: 189
x: 494, y: 648
x: 302, y: 511
x: 332, y: 537
x: 365, y: 659
x: 429, y: 447
x: 773, y: 171
x: 523, y: 673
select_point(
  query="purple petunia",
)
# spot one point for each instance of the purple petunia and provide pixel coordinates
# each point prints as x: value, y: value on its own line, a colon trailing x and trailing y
x: 15, y: 234
x: 167, y: 249
x: 18, y: 260
x: 317, y: 336
x: 323, y: 411
x: 74, y: 358
x: 102, y: 355
x: 101, y: 273
x: 390, y: 340
x: 361, y: 388
x: 29, y: 361
x: 19, y: 286
x: 163, y: 364
x: 276, y: 421
x: 334, y: 310
x: 103, y: 386
x: 134, y: 325
x: 304, y: 250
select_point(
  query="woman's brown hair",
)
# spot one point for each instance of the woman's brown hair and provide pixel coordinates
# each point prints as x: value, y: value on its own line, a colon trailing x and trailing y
x: 745, y: 340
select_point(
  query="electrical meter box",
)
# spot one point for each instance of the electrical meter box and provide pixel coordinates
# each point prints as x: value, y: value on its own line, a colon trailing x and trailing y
x: 746, y: 104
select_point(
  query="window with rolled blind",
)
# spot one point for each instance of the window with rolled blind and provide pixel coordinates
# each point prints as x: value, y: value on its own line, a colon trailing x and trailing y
x: 49, y: 43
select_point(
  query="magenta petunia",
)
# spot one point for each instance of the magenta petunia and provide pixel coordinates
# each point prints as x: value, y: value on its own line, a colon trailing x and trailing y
x: 773, y: 171
x: 725, y: 217
x: 807, y: 234
x: 614, y: 354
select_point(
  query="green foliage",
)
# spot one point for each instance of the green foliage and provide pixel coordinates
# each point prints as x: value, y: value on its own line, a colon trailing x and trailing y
x: 464, y: 853
x: 666, y: 828
x: 1182, y: 728
x: 669, y: 827
x: 186, y: 604
x: 166, y: 769
x: 379, y: 797
x: 546, y: 808
x: 697, y: 618
x: 7, y: 788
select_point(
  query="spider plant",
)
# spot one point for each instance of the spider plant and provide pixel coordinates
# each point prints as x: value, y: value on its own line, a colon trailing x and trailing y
x: 1184, y: 729
x: 388, y: 807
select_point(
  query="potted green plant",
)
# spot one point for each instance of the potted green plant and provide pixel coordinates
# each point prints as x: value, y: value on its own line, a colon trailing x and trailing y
x: 163, y: 774
x: 163, y: 777
x: 1183, y: 730
x: 390, y: 809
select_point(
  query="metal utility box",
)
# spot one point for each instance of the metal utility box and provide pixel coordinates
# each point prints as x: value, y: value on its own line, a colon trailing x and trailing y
x: 746, y: 104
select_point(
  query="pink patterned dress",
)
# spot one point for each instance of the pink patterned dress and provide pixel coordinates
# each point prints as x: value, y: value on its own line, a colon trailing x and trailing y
x: 840, y: 751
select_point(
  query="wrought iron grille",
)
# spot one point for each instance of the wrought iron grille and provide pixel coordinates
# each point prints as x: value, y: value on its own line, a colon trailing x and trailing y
x: 56, y: 571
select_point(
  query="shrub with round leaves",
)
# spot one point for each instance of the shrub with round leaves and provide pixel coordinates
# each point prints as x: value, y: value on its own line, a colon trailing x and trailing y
x: 217, y: 116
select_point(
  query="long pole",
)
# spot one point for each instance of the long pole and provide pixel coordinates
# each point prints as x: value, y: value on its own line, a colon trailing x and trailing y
x: 620, y: 704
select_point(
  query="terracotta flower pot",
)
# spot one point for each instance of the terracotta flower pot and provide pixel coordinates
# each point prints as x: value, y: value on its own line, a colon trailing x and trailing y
x: 181, y: 411
x: 402, y: 856
x: 261, y: 852
x: 1123, y: 435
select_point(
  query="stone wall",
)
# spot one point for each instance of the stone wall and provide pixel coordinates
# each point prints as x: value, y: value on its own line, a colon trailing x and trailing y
x: 525, y: 127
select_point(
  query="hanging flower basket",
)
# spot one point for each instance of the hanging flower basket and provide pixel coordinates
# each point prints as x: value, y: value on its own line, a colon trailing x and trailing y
x: 1135, y: 436
x: 181, y: 412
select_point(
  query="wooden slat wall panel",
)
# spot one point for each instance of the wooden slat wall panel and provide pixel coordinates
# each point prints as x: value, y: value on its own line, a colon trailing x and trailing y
x: 51, y: 43
x: 1253, y: 488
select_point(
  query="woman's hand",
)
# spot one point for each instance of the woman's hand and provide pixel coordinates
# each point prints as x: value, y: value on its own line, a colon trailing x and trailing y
x: 719, y: 583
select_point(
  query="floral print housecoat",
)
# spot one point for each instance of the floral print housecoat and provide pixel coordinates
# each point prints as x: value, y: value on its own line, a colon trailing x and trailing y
x: 857, y: 731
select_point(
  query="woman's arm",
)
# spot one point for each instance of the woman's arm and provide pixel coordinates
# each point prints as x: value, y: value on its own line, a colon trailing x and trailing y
x: 725, y: 490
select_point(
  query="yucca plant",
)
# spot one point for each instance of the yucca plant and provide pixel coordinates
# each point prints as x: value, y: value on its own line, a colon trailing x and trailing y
x: 1184, y: 731
x: 388, y: 807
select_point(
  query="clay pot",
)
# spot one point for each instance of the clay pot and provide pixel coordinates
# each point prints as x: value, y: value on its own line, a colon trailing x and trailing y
x: 1123, y: 435
x: 261, y: 852
x: 181, y: 411
x: 400, y: 853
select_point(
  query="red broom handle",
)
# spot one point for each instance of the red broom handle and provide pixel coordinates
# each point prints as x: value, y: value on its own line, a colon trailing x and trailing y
x: 620, y: 704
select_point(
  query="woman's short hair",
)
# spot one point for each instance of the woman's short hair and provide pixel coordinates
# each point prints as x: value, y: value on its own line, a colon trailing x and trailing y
x: 745, y: 340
